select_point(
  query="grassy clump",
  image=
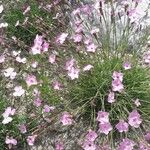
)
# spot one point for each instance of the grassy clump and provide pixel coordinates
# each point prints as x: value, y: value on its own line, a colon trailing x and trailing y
x: 88, y: 95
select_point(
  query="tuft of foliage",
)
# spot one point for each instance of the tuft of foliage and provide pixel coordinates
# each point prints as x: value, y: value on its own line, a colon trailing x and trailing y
x: 89, y: 93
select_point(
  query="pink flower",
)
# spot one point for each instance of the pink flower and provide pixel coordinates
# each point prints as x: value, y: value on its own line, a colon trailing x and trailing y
x: 76, y: 11
x: 22, y: 128
x: 2, y: 59
x: 37, y: 102
x: 91, y: 136
x: 77, y: 38
x: 73, y: 73
x: 45, y: 46
x: 134, y: 119
x: 137, y: 102
x: 88, y: 41
x: 78, y: 22
x: 131, y: 12
x: 97, y: 5
x: 31, y: 80
x: 47, y: 108
x: 91, y: 47
x: 86, y: 9
x: 143, y: 146
x: 18, y: 91
x: 38, y: 40
x: 52, y: 58
x: 135, y: 14
x: 61, y: 38
x: 34, y: 64
x: 89, y: 145
x: 126, y: 144
x: 59, y: 146
x: 10, y: 141
x: 94, y: 30
x: 37, y: 47
x: 147, y: 58
x: 8, y: 112
x: 147, y: 137
x: 126, y: 65
x: 87, y: 67
x: 117, y: 85
x: 122, y: 126
x: 79, y: 29
x: 66, y: 119
x: 105, y: 127
x: 103, y: 117
x: 117, y: 76
x: 111, y: 97
x: 69, y: 64
x: 31, y: 140
x: 138, y: 1
x: 57, y: 85
x: 9, y: 72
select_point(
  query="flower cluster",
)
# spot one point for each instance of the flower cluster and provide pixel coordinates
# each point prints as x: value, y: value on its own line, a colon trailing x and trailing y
x: 39, y: 46
x: 126, y: 144
x: 66, y: 119
x: 9, y: 111
x: 104, y: 124
x: 117, y: 85
x: 10, y: 141
x: 72, y: 70
x: 134, y: 119
x: 88, y: 143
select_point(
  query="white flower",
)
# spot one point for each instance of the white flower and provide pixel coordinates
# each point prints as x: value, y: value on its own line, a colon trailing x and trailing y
x: 9, y: 72
x: 7, y: 120
x: 2, y: 58
x: 52, y: 58
x: 16, y: 53
x: 19, y: 91
x: 21, y: 60
x: 61, y: 39
x: 17, y: 23
x: 9, y: 111
x: 34, y: 64
x: 1, y: 8
x: 87, y: 67
x: 94, y: 30
x: 3, y: 25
